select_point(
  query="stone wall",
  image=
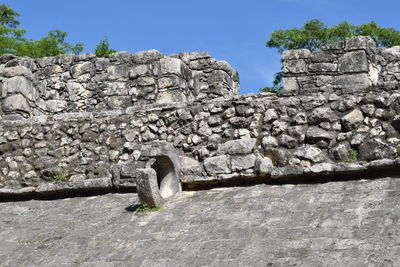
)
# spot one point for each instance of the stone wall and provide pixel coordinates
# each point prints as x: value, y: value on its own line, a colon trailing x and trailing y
x: 69, y: 83
x: 224, y: 137
x: 353, y: 65
x: 245, y: 137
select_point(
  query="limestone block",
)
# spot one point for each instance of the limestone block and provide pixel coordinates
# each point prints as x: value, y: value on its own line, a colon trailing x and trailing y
x: 287, y: 171
x: 351, y: 120
x: 139, y: 70
x: 353, y: 62
x: 15, y: 103
x: 315, y: 134
x: 217, y: 165
x: 239, y: 146
x: 324, y: 114
x: 121, y: 56
x: 147, y: 188
x: 75, y: 90
x: 287, y: 141
x: 296, y: 54
x: 341, y: 152
x: 170, y: 65
x: 81, y: 68
x: 175, y: 81
x: 263, y: 166
x: 352, y: 82
x: 20, y: 84
x: 309, y: 152
x: 269, y: 142
x: 144, y: 57
x: 290, y: 85
x: 270, y: 115
x: 56, y: 105
x: 118, y: 71
x: 322, y: 67
x: 321, y: 167
x: 144, y: 81
x: 190, y: 166
x: 300, y: 118
x: 322, y: 56
x: 294, y: 66
x: 9, y: 72
x: 171, y: 96
x: 393, y: 67
x: 240, y: 162
x: 359, y: 43
x: 373, y: 149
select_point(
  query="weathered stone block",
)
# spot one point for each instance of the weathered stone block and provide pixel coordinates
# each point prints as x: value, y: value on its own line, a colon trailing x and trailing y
x: 56, y: 105
x: 322, y: 56
x: 16, y: 71
x: 144, y: 57
x: 239, y: 146
x: 81, y: 68
x: 322, y: 67
x: 360, y: 43
x: 170, y: 65
x: 263, y: 166
x: 217, y: 165
x: 20, y: 84
x: 373, y: 149
x: 353, y: 62
x: 296, y: 54
x: 341, y: 152
x: 15, y: 103
x: 315, y: 134
x: 351, y: 120
x: 311, y: 153
x: 242, y: 162
x: 294, y: 66
x: 352, y: 82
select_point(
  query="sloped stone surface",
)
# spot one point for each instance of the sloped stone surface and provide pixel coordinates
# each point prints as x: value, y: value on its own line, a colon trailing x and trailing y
x: 353, y: 223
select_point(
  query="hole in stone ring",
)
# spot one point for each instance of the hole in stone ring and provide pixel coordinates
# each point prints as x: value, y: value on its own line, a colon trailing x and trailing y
x: 166, y: 176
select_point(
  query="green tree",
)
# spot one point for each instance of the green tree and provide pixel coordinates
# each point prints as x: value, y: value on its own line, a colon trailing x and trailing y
x: 12, y: 40
x: 51, y: 45
x: 103, y: 49
x: 314, y: 34
x: 10, y: 36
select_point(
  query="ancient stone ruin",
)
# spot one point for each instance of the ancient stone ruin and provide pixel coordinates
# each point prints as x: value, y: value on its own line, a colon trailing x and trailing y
x: 72, y: 123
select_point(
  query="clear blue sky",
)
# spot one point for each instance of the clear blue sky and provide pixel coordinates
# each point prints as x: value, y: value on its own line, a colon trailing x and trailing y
x: 235, y: 30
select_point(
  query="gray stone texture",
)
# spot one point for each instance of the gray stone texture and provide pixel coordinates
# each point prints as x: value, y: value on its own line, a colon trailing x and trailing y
x: 353, y: 65
x: 101, y: 118
x: 69, y: 83
x: 353, y: 223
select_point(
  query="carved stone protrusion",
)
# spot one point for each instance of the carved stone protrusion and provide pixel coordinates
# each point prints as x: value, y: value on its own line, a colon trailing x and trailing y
x: 160, y: 179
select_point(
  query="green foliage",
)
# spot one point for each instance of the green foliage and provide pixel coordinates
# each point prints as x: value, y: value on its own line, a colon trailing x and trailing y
x: 61, y: 175
x: 51, y: 45
x: 12, y: 40
x: 144, y: 209
x: 314, y: 34
x: 353, y: 154
x: 10, y: 36
x: 103, y: 49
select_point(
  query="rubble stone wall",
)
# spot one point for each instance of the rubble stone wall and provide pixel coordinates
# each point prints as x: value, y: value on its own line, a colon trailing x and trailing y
x: 353, y: 65
x: 221, y: 136
x: 248, y: 136
x: 69, y: 83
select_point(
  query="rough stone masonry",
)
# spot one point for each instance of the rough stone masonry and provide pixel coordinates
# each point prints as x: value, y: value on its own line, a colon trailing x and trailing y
x: 92, y: 118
